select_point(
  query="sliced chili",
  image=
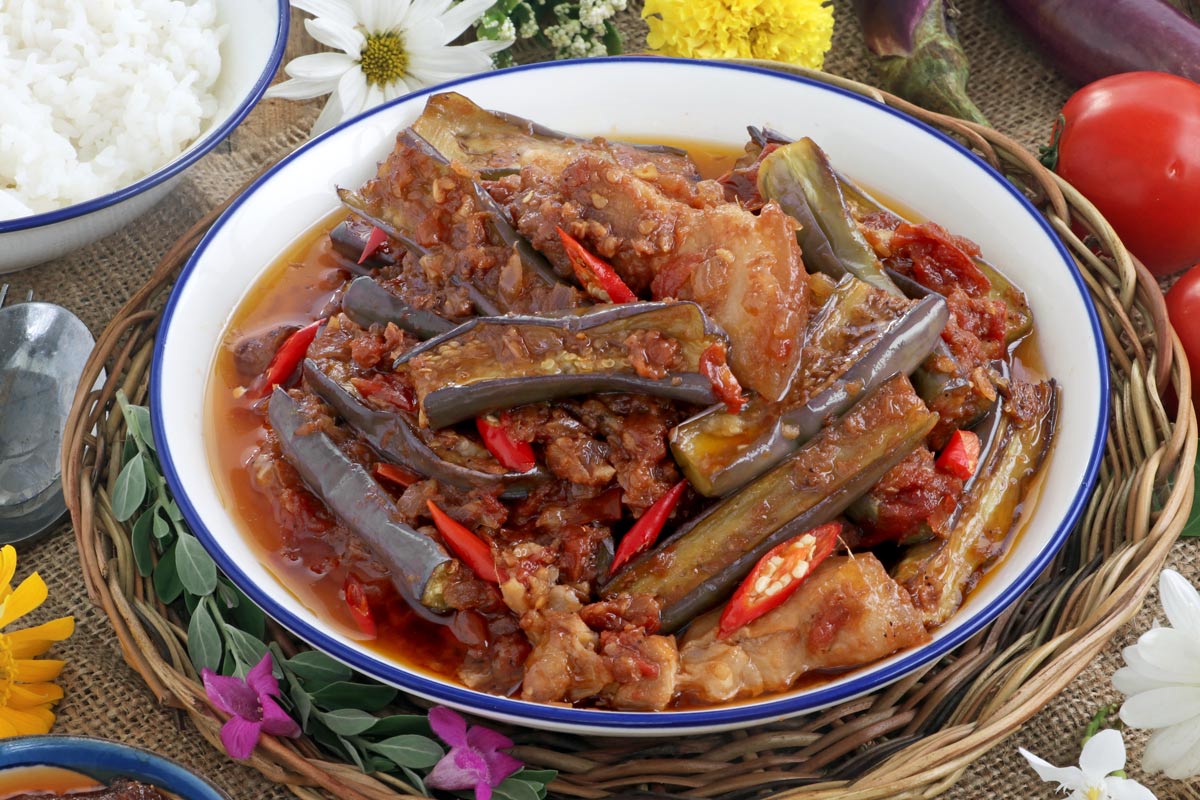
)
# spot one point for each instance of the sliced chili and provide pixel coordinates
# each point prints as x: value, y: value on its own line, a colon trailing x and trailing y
x: 725, y: 385
x: 645, y: 531
x: 360, y: 609
x: 289, y: 355
x: 512, y: 454
x: 395, y: 474
x: 960, y: 456
x: 474, y: 552
x: 374, y: 240
x: 777, y: 576
x: 594, y: 273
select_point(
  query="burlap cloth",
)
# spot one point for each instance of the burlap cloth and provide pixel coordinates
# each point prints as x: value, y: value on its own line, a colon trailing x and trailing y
x: 105, y: 698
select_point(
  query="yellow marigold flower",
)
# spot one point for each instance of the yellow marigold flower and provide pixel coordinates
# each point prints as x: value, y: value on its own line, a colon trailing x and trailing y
x: 795, y: 31
x: 26, y: 688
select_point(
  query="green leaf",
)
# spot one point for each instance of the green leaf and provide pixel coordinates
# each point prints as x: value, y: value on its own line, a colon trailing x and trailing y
x: 128, y: 450
x: 249, y: 618
x: 365, y: 696
x: 245, y: 648
x: 512, y: 789
x: 612, y: 39
x: 197, y: 570
x: 153, y: 478
x: 415, y: 752
x: 1191, y: 528
x: 347, y: 721
x: 139, y: 540
x: 398, y: 724
x: 414, y: 780
x: 542, y: 776
x: 204, y: 640
x: 227, y: 595
x: 173, y: 512
x: 162, y: 528
x: 318, y: 669
x: 302, y: 702
x: 352, y: 751
x: 130, y: 489
x: 137, y: 420
x: 166, y: 577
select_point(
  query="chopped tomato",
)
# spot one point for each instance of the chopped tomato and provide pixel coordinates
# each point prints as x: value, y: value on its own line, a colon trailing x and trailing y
x: 646, y: 530
x: 473, y: 551
x: 725, y: 384
x: 393, y: 473
x: 777, y: 576
x: 940, y: 260
x: 960, y: 456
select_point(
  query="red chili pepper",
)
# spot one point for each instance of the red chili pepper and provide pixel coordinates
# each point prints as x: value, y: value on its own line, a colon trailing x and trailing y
x: 466, y: 545
x: 960, y: 456
x: 395, y: 474
x: 646, y: 530
x: 289, y: 355
x: 725, y: 385
x: 374, y: 239
x: 360, y: 610
x: 777, y: 576
x: 595, y: 274
x: 512, y: 454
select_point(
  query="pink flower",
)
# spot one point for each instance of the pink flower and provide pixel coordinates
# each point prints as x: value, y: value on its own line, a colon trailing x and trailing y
x: 251, y: 702
x: 474, y: 761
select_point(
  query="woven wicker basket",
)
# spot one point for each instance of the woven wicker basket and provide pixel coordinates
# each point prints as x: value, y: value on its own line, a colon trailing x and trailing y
x: 912, y: 739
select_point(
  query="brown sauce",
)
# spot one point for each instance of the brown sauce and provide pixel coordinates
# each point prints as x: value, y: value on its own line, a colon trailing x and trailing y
x: 294, y: 291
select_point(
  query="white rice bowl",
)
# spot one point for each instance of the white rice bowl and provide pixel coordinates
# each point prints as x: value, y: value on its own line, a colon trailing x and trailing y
x: 96, y: 95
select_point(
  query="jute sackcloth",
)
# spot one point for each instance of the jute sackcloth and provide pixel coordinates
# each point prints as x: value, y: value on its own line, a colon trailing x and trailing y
x: 1010, y: 83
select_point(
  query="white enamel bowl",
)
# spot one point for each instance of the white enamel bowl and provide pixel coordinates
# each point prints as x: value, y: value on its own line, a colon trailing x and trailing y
x: 881, y: 148
x: 250, y: 53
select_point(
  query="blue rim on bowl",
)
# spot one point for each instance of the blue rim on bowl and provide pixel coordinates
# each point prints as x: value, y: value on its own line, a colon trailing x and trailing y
x: 106, y: 761
x: 191, y: 155
x: 617, y: 722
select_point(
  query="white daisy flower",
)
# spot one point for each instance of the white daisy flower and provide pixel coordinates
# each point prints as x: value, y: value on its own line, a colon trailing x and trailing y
x: 1102, y: 755
x: 1162, y: 681
x: 388, y: 49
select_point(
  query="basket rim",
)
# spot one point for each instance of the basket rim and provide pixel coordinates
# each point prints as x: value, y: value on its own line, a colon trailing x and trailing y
x: 615, y: 723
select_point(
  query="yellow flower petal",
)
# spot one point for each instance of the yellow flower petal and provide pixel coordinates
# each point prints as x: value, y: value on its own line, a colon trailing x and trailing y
x: 37, y: 639
x: 797, y: 31
x: 25, y: 598
x: 27, y: 696
x: 31, y: 671
x: 29, y: 721
x: 8, y: 566
x: 7, y: 729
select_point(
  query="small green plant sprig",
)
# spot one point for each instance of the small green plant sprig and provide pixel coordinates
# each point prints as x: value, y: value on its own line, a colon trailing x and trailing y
x: 345, y: 713
x: 574, y: 28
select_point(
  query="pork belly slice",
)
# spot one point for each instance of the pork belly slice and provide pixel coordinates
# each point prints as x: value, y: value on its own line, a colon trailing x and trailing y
x: 673, y: 238
x: 849, y: 612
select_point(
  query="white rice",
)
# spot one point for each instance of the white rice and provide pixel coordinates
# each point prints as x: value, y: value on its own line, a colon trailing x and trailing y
x: 97, y: 94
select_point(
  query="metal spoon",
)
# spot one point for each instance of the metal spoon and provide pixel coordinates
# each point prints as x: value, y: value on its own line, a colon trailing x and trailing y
x: 43, y: 349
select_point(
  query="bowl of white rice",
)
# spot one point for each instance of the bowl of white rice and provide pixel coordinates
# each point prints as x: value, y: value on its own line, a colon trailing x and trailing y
x: 103, y: 105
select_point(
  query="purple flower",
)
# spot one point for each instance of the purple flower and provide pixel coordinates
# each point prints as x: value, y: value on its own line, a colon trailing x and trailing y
x: 474, y: 761
x: 251, y: 702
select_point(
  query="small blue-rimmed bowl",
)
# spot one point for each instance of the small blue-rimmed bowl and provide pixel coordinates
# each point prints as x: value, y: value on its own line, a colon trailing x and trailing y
x: 256, y: 33
x: 651, y: 100
x: 106, y: 761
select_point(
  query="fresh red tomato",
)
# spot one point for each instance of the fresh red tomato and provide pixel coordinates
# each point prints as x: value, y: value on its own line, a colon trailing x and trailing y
x: 1183, y: 307
x: 1131, y: 144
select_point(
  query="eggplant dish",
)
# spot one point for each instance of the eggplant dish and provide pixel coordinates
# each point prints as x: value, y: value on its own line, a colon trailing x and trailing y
x: 565, y: 420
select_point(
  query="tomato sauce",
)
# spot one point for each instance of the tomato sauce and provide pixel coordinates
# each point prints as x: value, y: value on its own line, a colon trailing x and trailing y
x: 44, y: 779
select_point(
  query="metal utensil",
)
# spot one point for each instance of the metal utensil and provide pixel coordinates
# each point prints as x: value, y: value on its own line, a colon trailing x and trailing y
x: 43, y: 349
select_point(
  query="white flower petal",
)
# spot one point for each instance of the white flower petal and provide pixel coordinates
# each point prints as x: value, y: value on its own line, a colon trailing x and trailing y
x: 302, y: 88
x: 398, y: 88
x: 462, y: 16
x: 335, y: 10
x: 352, y: 93
x: 423, y: 34
x: 1067, y: 777
x: 375, y: 96
x: 1165, y: 654
x: 1126, y: 789
x: 446, y: 63
x: 330, y: 115
x: 319, y: 66
x: 347, y: 39
x: 1174, y: 750
x: 1103, y: 753
x: 1159, y: 708
x: 490, y: 46
x: 1181, y: 601
x: 1129, y: 681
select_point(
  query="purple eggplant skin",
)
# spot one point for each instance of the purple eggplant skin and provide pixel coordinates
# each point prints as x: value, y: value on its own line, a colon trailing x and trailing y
x: 366, y: 302
x: 393, y: 438
x: 918, y: 54
x: 349, y: 239
x: 1088, y: 40
x: 417, y: 565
